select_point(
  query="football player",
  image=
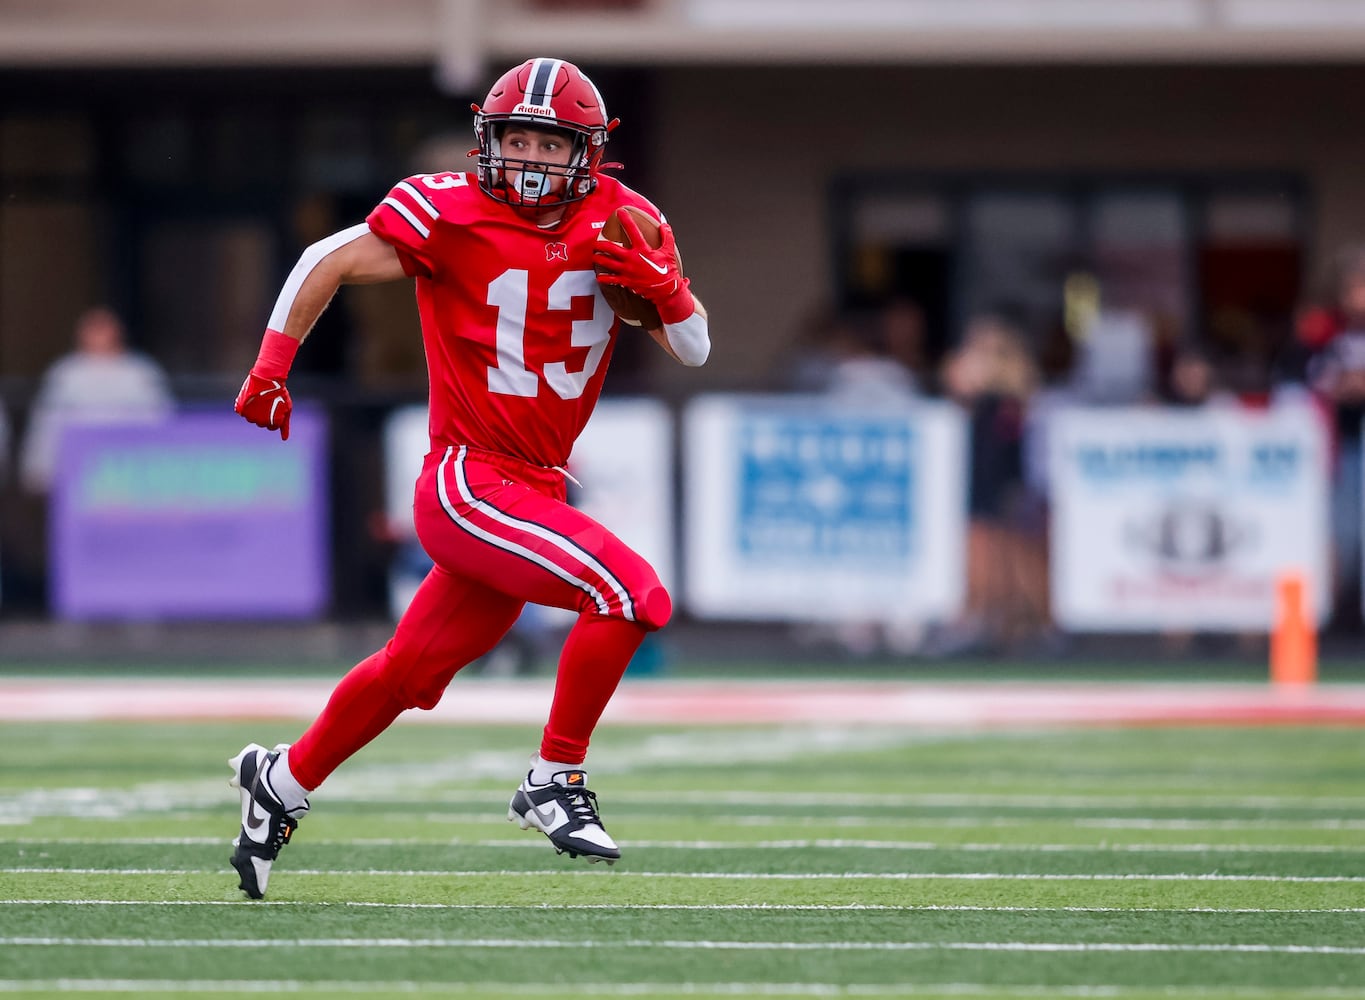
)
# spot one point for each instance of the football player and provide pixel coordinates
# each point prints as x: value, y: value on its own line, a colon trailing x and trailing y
x: 506, y: 262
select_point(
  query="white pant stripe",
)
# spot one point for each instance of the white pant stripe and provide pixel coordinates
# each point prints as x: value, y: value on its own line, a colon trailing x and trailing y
x: 559, y: 541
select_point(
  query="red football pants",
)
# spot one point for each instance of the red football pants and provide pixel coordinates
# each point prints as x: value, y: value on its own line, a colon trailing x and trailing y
x: 500, y: 534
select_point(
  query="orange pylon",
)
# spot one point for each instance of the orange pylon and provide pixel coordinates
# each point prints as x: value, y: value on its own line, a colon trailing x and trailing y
x: 1294, y: 637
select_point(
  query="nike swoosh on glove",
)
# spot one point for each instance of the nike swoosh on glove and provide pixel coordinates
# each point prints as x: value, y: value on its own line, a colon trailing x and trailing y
x: 654, y: 274
x: 265, y: 402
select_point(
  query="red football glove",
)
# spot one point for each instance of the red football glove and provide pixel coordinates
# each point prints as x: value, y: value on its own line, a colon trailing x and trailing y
x: 653, y: 274
x: 265, y: 402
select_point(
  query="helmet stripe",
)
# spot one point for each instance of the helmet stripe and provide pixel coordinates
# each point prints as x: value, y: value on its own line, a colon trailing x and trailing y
x: 544, y: 72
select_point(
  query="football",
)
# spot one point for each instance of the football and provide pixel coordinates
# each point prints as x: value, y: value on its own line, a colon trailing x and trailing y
x: 634, y: 309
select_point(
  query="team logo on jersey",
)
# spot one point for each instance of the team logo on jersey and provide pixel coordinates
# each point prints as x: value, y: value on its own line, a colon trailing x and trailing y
x: 556, y: 251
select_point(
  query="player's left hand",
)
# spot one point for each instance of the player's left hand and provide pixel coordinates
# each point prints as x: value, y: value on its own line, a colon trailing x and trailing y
x: 653, y: 273
x: 265, y: 402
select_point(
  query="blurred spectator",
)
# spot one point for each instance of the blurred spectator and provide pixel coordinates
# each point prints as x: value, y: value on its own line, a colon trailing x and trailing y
x: 1194, y: 380
x: 903, y: 334
x: 863, y: 372
x: 993, y: 376
x: 866, y: 373
x: 1115, y: 362
x: 817, y: 346
x: 847, y: 355
x: 100, y: 382
x: 1336, y: 374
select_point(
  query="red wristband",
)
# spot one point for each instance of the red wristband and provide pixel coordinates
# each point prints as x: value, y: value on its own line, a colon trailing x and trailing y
x: 678, y: 306
x: 276, y: 357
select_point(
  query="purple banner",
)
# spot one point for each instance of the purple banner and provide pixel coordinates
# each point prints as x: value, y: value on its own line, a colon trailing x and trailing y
x: 202, y: 517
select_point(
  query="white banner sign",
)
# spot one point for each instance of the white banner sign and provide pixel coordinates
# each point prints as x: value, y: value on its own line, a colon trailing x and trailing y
x: 802, y: 509
x: 1185, y: 520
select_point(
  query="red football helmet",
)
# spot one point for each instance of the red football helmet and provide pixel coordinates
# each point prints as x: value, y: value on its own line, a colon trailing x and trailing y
x: 545, y: 94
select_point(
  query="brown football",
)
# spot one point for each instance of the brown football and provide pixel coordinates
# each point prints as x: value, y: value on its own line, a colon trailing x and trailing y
x: 634, y: 309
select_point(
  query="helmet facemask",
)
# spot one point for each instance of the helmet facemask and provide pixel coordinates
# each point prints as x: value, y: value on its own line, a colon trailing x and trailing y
x: 534, y: 184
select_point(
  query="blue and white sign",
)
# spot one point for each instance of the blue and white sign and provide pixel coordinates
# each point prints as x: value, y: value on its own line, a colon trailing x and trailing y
x: 804, y: 508
x: 838, y: 491
x: 1166, y: 520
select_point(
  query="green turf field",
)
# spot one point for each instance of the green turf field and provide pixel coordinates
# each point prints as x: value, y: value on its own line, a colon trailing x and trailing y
x: 759, y: 862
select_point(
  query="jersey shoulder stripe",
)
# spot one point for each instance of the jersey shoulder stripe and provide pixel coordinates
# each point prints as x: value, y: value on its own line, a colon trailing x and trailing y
x: 418, y: 198
x: 408, y: 215
x: 417, y: 206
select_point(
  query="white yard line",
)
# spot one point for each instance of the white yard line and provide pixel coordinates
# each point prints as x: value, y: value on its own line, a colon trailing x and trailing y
x: 533, y: 944
x: 739, y: 845
x: 759, y: 876
x: 378, y: 782
x: 703, y: 989
x: 1000, y: 800
x: 705, y: 907
x: 1141, y: 823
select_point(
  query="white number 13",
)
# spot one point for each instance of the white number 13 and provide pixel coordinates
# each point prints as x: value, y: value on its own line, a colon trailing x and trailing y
x: 511, y: 377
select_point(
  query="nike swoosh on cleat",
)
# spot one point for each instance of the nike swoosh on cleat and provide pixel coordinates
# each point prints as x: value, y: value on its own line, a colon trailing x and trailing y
x: 661, y: 268
x: 252, y: 819
x: 549, y: 816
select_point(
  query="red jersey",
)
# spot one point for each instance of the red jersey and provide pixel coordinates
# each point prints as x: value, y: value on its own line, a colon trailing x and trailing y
x: 516, y: 331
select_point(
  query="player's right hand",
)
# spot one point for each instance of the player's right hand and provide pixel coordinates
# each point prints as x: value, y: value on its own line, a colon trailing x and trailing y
x: 265, y: 402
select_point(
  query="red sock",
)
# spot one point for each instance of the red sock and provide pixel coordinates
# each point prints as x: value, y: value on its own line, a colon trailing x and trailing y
x: 595, y: 655
x: 360, y: 708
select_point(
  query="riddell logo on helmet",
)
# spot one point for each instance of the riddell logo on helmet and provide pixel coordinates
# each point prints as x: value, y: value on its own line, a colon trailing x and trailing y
x: 533, y: 109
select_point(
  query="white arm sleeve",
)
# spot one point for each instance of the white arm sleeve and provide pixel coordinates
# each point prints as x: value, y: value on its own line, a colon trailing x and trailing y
x: 308, y: 260
x: 690, y: 339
